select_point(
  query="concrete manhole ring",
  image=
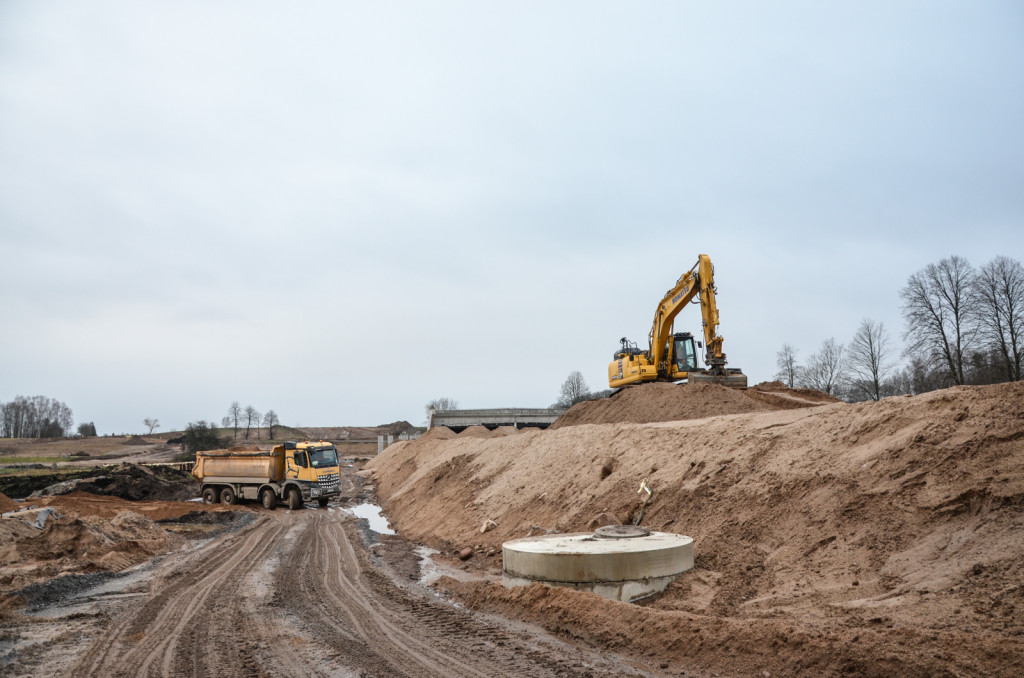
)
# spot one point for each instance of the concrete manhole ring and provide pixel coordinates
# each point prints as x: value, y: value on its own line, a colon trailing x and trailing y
x: 621, y: 531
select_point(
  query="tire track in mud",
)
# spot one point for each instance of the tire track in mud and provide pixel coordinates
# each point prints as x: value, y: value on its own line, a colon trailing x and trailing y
x: 296, y: 594
x: 399, y: 632
x: 173, y: 624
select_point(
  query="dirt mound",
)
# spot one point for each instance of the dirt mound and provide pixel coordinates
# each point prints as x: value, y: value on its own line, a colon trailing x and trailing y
x: 658, y: 401
x: 778, y: 396
x: 476, y: 432
x: 132, y: 482
x: 438, y: 433
x: 73, y: 544
x: 86, y: 504
x: 136, y: 440
x: 876, y: 538
x: 8, y: 504
x: 652, y: 402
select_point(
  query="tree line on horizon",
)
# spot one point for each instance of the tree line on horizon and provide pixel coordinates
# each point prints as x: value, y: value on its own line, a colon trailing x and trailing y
x: 962, y: 326
x: 35, y: 417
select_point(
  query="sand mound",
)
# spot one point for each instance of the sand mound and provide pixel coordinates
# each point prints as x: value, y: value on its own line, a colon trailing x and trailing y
x: 875, y: 538
x: 74, y: 544
x: 476, y: 432
x: 778, y: 396
x: 438, y: 433
x: 87, y: 504
x: 646, y: 403
x: 8, y: 504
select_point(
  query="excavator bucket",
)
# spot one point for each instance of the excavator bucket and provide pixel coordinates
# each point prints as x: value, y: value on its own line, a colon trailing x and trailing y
x: 732, y: 379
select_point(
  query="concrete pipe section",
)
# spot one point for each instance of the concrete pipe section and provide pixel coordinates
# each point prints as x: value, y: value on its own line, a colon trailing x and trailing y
x: 620, y: 562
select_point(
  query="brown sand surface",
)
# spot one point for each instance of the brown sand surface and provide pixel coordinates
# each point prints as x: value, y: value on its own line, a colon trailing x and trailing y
x: 8, y: 504
x: 77, y: 544
x: 870, y: 539
x: 91, y: 533
x: 657, y: 401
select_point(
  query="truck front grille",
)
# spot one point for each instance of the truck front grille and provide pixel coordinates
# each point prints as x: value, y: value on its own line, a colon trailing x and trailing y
x: 329, y: 483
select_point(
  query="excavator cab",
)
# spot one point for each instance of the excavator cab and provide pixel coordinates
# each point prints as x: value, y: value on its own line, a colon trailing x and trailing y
x: 684, y: 354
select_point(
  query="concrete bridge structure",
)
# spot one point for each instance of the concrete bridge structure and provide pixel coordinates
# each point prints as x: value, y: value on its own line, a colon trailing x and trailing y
x: 519, y: 417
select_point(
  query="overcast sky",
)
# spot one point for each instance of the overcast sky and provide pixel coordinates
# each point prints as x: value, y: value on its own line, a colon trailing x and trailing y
x: 342, y: 210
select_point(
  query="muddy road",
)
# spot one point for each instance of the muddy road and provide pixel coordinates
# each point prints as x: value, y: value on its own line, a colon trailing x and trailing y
x: 294, y: 593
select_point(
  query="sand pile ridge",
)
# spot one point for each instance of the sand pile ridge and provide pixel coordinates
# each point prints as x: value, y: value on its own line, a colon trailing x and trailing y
x: 877, y: 537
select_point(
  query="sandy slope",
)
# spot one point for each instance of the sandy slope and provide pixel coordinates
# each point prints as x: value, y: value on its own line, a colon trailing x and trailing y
x: 876, y: 538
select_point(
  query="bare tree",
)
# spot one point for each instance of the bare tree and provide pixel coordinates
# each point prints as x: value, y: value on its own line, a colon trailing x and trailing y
x: 867, y: 358
x: 441, y: 404
x: 825, y: 369
x: 270, y: 420
x: 251, y: 416
x: 999, y: 291
x: 789, y: 369
x: 937, y: 310
x: 574, y: 390
x: 151, y: 424
x: 235, y: 415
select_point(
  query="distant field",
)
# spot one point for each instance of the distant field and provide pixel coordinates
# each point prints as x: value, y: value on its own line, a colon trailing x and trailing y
x: 32, y: 460
x: 61, y: 449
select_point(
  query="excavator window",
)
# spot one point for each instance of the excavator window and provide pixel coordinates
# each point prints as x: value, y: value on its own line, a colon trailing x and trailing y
x: 685, y: 354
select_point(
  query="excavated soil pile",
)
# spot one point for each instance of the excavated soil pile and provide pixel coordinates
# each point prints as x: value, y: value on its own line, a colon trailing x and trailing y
x: 93, y: 534
x: 86, y: 504
x: 647, y: 403
x: 132, y: 482
x: 8, y: 504
x: 136, y: 440
x: 76, y: 544
x: 874, y: 539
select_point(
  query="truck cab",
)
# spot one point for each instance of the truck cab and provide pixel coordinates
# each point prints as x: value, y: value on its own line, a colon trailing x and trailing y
x: 314, y: 466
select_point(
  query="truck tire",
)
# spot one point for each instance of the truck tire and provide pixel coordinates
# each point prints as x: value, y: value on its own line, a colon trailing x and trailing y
x: 294, y: 498
x: 269, y: 499
x: 227, y: 496
x: 322, y: 501
x: 210, y: 495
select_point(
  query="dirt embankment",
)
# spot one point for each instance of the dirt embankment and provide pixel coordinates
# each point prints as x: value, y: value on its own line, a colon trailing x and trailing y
x: 89, y: 533
x: 879, y: 538
x: 653, y: 402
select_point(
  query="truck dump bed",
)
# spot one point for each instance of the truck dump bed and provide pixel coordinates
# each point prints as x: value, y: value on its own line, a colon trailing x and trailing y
x: 243, y: 465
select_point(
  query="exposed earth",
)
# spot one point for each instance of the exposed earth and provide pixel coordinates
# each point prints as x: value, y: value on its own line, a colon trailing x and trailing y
x: 831, y: 539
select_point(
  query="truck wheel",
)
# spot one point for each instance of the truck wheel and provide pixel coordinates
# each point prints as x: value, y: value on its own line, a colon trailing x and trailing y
x: 322, y: 501
x: 294, y: 498
x: 227, y: 496
x: 269, y: 499
x: 210, y: 495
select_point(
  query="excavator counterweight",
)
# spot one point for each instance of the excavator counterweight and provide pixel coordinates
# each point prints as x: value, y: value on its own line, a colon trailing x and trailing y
x: 673, y: 356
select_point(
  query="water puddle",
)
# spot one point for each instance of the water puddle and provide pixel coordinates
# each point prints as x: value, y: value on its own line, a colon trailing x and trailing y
x: 431, y: 570
x: 371, y: 514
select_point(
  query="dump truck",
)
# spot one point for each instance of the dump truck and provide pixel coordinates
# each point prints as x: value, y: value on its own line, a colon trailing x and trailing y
x: 672, y: 356
x: 292, y: 472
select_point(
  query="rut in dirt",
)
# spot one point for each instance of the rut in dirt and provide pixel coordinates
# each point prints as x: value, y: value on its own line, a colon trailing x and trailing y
x: 296, y: 595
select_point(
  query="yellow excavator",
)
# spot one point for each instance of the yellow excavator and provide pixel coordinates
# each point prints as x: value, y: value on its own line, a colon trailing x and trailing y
x: 671, y: 356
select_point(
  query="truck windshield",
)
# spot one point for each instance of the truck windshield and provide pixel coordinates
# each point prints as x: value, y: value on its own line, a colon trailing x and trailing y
x: 322, y: 457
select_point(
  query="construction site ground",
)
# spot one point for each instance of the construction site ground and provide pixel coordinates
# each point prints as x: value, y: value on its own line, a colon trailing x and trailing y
x: 831, y: 539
